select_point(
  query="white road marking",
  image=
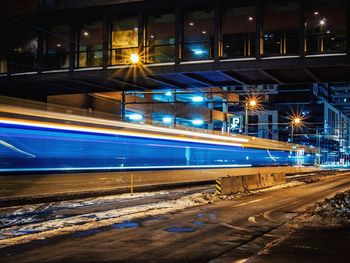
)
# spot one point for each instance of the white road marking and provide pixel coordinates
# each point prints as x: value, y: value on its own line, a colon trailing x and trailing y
x: 250, y: 202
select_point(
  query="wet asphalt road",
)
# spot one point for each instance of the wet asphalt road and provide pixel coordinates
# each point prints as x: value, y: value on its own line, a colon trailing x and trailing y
x: 222, y: 232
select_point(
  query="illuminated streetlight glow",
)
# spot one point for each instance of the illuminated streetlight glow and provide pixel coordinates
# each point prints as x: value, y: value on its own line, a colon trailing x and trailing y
x: 135, y: 117
x: 167, y: 120
x: 197, y: 122
x: 323, y: 22
x: 134, y: 58
x: 197, y: 99
x: 168, y: 93
x: 297, y: 121
x: 86, y: 33
x: 253, y: 103
x: 250, y: 18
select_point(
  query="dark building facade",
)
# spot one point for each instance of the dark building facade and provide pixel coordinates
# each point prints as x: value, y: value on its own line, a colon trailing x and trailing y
x: 180, y: 36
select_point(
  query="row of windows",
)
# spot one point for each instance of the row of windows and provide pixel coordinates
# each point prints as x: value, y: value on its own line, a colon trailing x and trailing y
x: 325, y: 31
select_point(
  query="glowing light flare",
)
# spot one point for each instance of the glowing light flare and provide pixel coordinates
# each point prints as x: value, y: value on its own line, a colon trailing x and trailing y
x: 134, y: 58
x: 167, y: 120
x: 253, y: 103
x: 168, y: 93
x: 135, y: 117
x: 197, y: 122
x: 198, y: 52
x: 197, y: 99
x: 297, y: 119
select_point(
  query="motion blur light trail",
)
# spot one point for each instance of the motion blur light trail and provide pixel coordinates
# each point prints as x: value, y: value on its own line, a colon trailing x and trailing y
x: 28, y: 145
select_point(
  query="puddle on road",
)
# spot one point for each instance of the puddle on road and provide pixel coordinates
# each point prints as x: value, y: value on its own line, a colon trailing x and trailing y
x: 126, y: 224
x: 199, y: 223
x: 86, y: 233
x: 180, y: 229
x: 158, y: 218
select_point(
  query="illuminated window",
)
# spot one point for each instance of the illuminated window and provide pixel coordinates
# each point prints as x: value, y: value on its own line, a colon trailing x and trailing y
x: 3, y: 65
x: 25, y: 51
x: 325, y: 26
x: 198, y: 41
x: 90, y: 45
x: 281, y: 23
x: 160, y: 38
x: 124, y: 40
x: 56, y: 53
x: 238, y: 40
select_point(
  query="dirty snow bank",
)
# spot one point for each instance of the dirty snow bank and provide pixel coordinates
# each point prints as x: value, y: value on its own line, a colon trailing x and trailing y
x: 22, y: 234
x: 335, y: 210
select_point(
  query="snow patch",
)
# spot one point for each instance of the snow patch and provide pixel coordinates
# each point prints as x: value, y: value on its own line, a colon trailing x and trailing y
x: 34, y: 231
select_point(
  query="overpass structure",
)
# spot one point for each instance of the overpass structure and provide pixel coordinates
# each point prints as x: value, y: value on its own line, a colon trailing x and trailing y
x: 82, y: 48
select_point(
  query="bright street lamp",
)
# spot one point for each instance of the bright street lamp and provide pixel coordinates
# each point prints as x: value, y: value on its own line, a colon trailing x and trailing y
x: 134, y: 58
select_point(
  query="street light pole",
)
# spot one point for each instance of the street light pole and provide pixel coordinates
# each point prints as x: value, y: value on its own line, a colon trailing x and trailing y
x: 296, y: 121
x: 246, y: 119
x: 252, y: 103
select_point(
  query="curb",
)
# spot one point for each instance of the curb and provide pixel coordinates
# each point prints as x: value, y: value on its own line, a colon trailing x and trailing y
x: 28, y: 200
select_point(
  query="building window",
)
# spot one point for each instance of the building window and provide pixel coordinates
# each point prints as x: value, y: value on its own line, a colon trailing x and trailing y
x: 198, y: 36
x: 56, y: 53
x: 90, y: 45
x: 325, y: 26
x: 281, y: 24
x: 3, y: 64
x: 124, y: 40
x: 160, y: 38
x: 238, y: 30
x: 25, y: 52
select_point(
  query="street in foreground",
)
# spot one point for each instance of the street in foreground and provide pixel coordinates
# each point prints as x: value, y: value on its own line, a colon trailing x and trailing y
x: 250, y: 228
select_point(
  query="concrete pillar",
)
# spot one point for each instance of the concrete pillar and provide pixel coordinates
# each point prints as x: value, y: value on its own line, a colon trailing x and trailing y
x: 225, y: 111
x: 148, y: 109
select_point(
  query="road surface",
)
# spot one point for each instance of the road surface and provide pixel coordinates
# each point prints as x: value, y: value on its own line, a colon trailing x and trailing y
x: 227, y: 231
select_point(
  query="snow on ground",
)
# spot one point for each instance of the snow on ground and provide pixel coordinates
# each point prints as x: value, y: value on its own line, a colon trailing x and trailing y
x: 335, y: 210
x: 34, y: 231
x: 28, y: 213
x: 24, y: 225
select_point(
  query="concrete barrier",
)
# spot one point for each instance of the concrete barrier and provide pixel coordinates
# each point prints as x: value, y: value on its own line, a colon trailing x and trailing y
x: 279, y: 178
x: 235, y: 184
x: 267, y: 180
x: 231, y: 185
x: 251, y: 182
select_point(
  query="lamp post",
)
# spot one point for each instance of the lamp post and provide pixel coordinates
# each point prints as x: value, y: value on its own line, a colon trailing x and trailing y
x: 250, y: 104
x: 296, y: 121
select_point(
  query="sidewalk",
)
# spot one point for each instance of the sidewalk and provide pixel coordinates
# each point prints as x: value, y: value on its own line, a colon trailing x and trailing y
x: 310, y: 244
x: 20, y: 189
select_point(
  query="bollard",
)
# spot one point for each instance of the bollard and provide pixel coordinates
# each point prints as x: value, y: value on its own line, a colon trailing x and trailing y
x: 218, y: 187
x: 132, y: 184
